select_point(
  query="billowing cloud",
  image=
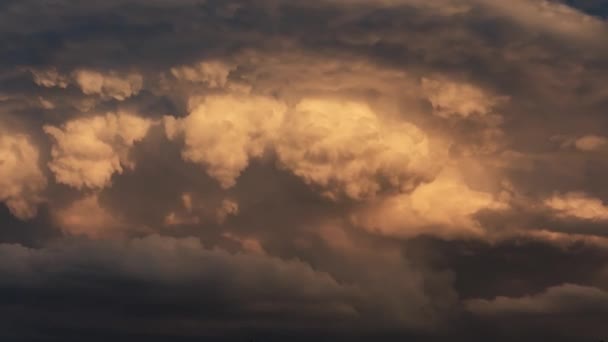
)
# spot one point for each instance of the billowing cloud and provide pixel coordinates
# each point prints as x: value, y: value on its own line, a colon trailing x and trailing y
x: 21, y: 179
x: 578, y: 205
x: 109, y: 85
x: 224, y: 132
x: 365, y: 163
x: 212, y: 73
x: 88, y: 151
x: 86, y: 217
x: 345, y: 148
x: 194, y: 211
x: 444, y: 207
x: 450, y: 98
x: 50, y: 78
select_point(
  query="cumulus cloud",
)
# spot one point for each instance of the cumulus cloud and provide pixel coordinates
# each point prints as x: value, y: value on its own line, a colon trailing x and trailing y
x: 195, y: 210
x: 21, y: 179
x: 214, y: 74
x: 50, y: 78
x: 86, y: 217
x: 578, y: 205
x: 345, y: 148
x: 444, y: 207
x: 450, y: 98
x: 109, y: 85
x: 427, y: 123
x: 224, y: 132
x: 88, y: 151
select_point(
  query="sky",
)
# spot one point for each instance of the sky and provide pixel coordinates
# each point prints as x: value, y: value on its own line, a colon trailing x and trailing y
x: 290, y: 170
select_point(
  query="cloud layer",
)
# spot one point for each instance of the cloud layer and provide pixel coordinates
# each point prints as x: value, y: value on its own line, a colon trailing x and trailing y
x: 228, y: 170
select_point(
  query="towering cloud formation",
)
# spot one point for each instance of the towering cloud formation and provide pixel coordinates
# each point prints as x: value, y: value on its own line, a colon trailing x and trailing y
x: 224, y: 132
x: 345, y: 148
x: 88, y: 151
x: 21, y: 179
x: 228, y: 170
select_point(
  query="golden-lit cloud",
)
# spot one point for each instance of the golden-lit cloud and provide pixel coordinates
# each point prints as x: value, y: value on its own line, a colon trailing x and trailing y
x: 590, y: 142
x: 443, y: 207
x: 450, y: 98
x: 224, y: 132
x: 108, y: 85
x: 50, y: 78
x: 578, y: 205
x: 345, y: 148
x: 88, y: 151
x: 294, y: 163
x: 21, y: 179
x: 86, y: 217
x: 197, y: 211
x: 214, y: 74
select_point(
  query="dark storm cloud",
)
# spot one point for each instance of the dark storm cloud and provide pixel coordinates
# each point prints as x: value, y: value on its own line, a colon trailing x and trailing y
x: 93, y: 281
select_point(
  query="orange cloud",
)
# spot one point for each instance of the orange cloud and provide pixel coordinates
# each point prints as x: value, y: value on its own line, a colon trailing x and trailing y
x: 109, y: 85
x: 443, y: 207
x: 88, y: 218
x: 450, y: 98
x: 345, y: 148
x: 21, y: 180
x: 224, y: 132
x: 578, y: 205
x: 88, y: 151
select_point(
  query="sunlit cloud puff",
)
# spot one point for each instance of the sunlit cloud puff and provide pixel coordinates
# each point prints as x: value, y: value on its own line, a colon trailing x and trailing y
x: 21, y: 178
x: 88, y: 151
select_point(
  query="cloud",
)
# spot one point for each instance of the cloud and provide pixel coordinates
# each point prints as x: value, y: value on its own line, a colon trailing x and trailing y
x: 578, y: 205
x: 212, y: 73
x: 444, y: 207
x: 50, y: 78
x: 590, y: 142
x: 195, y: 210
x: 206, y: 282
x: 552, y: 17
x: 585, y: 143
x: 224, y: 132
x: 88, y: 151
x: 86, y: 217
x: 345, y: 148
x: 21, y: 179
x: 563, y: 299
x: 450, y: 98
x: 109, y: 85
x: 455, y: 139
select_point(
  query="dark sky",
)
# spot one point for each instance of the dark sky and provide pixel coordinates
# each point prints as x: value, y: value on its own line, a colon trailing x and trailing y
x: 285, y: 170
